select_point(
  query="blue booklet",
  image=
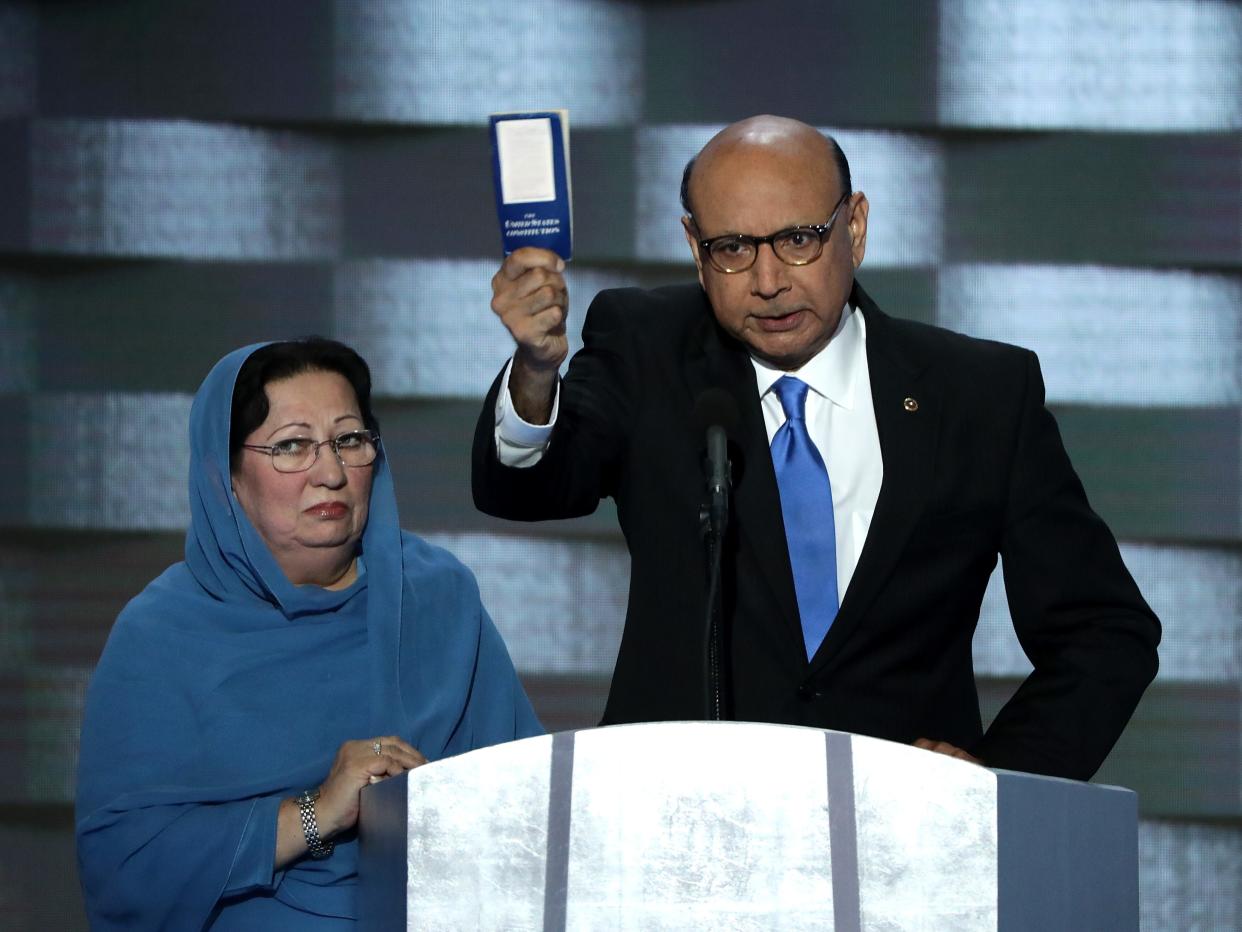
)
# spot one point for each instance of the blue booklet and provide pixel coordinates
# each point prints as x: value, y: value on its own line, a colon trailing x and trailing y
x: 530, y: 162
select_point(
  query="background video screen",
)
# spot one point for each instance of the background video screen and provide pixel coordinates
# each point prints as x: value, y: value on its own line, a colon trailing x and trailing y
x: 177, y: 180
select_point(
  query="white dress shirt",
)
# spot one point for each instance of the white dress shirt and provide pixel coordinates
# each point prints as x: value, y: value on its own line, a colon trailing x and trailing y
x: 839, y: 418
x: 518, y: 442
x: 841, y: 421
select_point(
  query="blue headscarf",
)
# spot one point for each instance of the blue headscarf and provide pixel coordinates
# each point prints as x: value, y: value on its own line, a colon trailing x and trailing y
x: 224, y: 688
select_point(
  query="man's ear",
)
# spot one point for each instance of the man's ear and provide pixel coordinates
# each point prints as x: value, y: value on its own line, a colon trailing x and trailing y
x: 858, y: 226
x: 692, y: 238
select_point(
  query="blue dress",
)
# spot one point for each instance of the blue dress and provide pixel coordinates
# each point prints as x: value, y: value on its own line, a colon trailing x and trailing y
x: 224, y: 689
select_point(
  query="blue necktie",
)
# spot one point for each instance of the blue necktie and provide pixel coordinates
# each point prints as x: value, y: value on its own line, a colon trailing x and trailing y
x: 806, y: 504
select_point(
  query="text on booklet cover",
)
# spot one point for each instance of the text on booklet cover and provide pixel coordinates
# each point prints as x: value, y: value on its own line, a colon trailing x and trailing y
x: 530, y: 162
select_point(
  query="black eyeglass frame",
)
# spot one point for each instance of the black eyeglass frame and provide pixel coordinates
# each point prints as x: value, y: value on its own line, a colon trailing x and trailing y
x: 821, y: 230
x: 334, y: 443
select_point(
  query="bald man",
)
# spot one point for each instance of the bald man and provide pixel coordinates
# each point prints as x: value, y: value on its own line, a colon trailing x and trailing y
x: 881, y: 467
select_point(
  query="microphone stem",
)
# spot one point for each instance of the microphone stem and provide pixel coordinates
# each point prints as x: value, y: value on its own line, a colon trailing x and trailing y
x: 714, y: 631
x: 715, y: 522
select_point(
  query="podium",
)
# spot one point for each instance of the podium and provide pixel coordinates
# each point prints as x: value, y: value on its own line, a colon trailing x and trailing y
x: 728, y: 825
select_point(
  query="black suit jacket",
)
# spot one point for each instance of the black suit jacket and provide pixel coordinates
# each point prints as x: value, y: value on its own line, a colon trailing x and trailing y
x: 974, y: 468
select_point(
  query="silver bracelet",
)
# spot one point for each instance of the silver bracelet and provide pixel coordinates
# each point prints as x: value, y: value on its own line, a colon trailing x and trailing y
x: 317, y: 847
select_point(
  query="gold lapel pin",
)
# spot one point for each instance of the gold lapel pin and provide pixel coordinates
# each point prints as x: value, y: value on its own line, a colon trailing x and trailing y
x: 911, y: 404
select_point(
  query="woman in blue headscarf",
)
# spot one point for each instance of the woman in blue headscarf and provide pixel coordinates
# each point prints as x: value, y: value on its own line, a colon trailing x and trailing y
x: 306, y: 647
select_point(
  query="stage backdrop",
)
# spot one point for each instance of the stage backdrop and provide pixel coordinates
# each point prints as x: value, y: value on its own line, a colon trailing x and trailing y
x: 177, y: 179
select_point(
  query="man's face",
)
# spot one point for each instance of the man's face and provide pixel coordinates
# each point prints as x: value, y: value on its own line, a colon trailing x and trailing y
x: 785, y: 314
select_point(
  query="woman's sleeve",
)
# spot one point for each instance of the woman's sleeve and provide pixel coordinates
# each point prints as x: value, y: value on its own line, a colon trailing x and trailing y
x: 168, y: 865
x: 160, y: 842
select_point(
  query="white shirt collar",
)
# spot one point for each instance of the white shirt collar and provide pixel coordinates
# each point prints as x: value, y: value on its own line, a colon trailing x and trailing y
x: 830, y: 373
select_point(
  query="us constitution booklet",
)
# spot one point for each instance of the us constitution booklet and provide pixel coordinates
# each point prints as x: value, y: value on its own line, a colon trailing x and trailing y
x: 530, y: 163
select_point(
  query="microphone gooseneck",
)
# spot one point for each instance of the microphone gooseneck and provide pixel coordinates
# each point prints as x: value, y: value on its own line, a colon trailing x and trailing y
x: 716, y: 413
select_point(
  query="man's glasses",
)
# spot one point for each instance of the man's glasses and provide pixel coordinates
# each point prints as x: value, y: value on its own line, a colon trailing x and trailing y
x: 736, y: 252
x: 298, y: 454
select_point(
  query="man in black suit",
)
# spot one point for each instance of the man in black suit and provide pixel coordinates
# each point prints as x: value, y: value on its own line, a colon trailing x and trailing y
x: 881, y: 466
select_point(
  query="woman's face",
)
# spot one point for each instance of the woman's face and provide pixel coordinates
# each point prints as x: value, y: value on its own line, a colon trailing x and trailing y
x: 310, y: 520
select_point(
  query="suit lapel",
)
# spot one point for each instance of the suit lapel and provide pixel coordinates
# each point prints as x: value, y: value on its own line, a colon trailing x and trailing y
x: 908, y: 445
x: 756, y: 501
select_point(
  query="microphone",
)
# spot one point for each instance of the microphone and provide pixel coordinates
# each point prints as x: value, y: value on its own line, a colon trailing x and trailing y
x: 716, y: 413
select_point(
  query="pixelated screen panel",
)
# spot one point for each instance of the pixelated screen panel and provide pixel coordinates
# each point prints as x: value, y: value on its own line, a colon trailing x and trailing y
x: 1064, y: 176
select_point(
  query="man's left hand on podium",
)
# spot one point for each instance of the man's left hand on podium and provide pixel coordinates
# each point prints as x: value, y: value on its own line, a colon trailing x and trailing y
x: 943, y: 747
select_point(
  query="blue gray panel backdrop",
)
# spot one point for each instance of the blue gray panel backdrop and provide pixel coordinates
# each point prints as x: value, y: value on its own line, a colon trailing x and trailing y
x: 180, y: 178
